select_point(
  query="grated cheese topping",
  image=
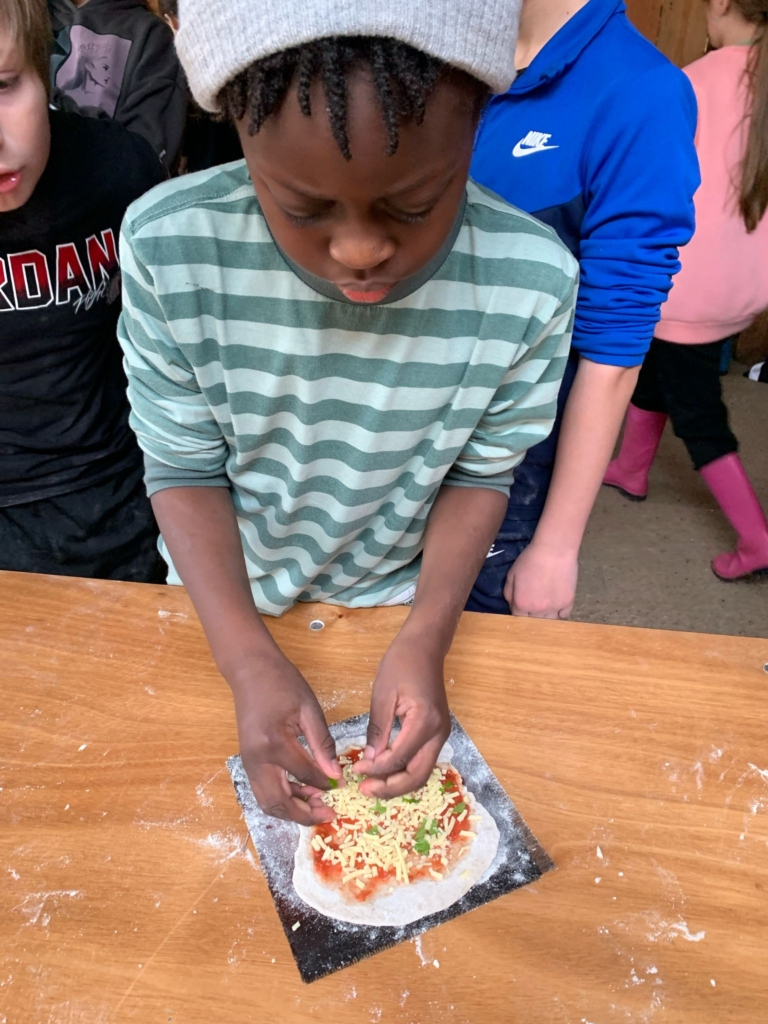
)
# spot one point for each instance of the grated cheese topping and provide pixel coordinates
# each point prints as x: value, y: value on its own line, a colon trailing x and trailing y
x: 400, y: 836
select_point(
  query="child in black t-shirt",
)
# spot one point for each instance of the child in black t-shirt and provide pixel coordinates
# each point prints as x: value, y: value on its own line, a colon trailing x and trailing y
x: 72, y: 499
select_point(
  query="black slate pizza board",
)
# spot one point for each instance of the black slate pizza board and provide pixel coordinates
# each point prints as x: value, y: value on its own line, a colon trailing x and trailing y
x: 321, y: 945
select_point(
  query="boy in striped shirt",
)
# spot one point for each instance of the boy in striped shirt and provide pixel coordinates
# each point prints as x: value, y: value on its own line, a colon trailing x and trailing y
x: 338, y: 350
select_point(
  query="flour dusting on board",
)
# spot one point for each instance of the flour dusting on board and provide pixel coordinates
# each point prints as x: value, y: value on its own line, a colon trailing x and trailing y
x: 322, y: 944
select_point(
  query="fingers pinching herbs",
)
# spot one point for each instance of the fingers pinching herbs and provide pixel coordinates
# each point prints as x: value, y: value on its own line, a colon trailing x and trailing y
x: 321, y: 743
x: 405, y: 768
x: 283, y: 799
x: 297, y: 760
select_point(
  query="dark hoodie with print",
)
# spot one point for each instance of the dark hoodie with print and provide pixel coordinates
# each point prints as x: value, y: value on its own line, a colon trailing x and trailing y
x: 114, y: 58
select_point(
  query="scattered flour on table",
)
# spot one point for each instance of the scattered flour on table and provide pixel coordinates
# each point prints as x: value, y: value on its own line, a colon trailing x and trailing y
x: 670, y: 885
x: 203, y: 795
x: 332, y: 700
x: 144, y: 823
x: 254, y: 863
x: 756, y: 804
x: 225, y: 845
x: 177, y: 616
x: 228, y: 842
x: 32, y: 905
x: 656, y: 928
x: 681, y: 928
x: 205, y: 798
x: 228, y: 845
x: 420, y: 951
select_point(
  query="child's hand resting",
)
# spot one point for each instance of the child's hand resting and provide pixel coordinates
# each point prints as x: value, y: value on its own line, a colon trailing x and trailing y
x: 409, y: 684
x: 274, y: 706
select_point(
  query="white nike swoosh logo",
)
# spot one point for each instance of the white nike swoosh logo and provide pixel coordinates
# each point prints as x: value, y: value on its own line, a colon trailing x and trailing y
x: 520, y: 151
x: 494, y: 553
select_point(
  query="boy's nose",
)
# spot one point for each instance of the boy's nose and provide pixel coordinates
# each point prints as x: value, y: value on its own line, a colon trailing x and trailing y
x: 361, y: 251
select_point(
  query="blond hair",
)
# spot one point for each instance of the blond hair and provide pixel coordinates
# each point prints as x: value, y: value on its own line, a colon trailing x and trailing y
x: 28, y: 23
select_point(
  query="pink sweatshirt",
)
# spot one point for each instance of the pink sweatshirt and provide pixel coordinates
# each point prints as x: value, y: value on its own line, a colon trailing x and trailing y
x: 723, y: 281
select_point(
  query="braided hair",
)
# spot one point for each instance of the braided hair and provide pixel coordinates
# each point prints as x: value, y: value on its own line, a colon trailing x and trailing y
x: 403, y: 77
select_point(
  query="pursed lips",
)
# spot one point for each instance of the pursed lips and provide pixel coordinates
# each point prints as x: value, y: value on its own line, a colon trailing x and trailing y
x: 365, y: 293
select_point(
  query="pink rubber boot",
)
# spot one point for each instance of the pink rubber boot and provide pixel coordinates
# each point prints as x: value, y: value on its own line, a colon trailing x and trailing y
x: 628, y: 472
x: 729, y: 483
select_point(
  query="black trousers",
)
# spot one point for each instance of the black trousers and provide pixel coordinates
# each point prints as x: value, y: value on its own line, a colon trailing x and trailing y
x: 106, y: 531
x: 684, y: 382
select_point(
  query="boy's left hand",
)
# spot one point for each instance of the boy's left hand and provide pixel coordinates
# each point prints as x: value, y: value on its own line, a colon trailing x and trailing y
x: 409, y: 684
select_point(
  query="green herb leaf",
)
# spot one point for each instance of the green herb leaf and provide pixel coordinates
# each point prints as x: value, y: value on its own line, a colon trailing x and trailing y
x: 380, y: 808
x: 411, y: 800
x: 447, y: 786
x: 421, y: 831
x: 333, y: 783
x: 433, y: 828
x: 458, y: 808
x: 422, y: 847
x: 373, y: 830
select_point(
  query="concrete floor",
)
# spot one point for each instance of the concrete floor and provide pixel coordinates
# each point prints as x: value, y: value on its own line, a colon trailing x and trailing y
x: 647, y: 564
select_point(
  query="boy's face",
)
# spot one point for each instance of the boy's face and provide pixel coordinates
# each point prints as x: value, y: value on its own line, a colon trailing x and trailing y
x: 367, y: 223
x: 25, y: 135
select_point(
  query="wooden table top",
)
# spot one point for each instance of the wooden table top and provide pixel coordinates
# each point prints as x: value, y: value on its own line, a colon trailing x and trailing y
x: 130, y: 892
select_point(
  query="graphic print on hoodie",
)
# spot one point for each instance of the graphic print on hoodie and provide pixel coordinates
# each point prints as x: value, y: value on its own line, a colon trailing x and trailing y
x: 114, y: 58
x: 92, y: 75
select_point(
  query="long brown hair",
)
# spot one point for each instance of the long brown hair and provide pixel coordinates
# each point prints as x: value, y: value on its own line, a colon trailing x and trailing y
x: 753, y: 190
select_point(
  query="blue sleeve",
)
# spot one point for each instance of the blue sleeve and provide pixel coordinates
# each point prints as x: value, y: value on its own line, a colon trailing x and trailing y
x: 640, y: 171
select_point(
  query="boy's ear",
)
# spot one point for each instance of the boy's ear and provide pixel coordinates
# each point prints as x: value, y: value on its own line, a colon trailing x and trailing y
x: 720, y: 7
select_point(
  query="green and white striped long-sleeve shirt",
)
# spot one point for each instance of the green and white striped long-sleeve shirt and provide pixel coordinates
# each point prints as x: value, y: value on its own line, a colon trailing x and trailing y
x: 334, y: 424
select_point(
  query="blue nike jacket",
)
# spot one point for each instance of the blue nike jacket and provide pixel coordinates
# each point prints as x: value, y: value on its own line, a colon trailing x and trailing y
x: 596, y: 139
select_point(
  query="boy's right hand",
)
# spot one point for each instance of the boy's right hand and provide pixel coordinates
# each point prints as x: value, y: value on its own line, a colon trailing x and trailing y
x: 274, y: 705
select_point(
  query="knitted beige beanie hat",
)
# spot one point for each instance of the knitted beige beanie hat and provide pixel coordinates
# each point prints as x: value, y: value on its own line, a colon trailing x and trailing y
x: 220, y: 38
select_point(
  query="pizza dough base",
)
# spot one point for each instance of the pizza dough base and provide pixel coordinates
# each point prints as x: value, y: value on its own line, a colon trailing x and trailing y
x: 408, y: 902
